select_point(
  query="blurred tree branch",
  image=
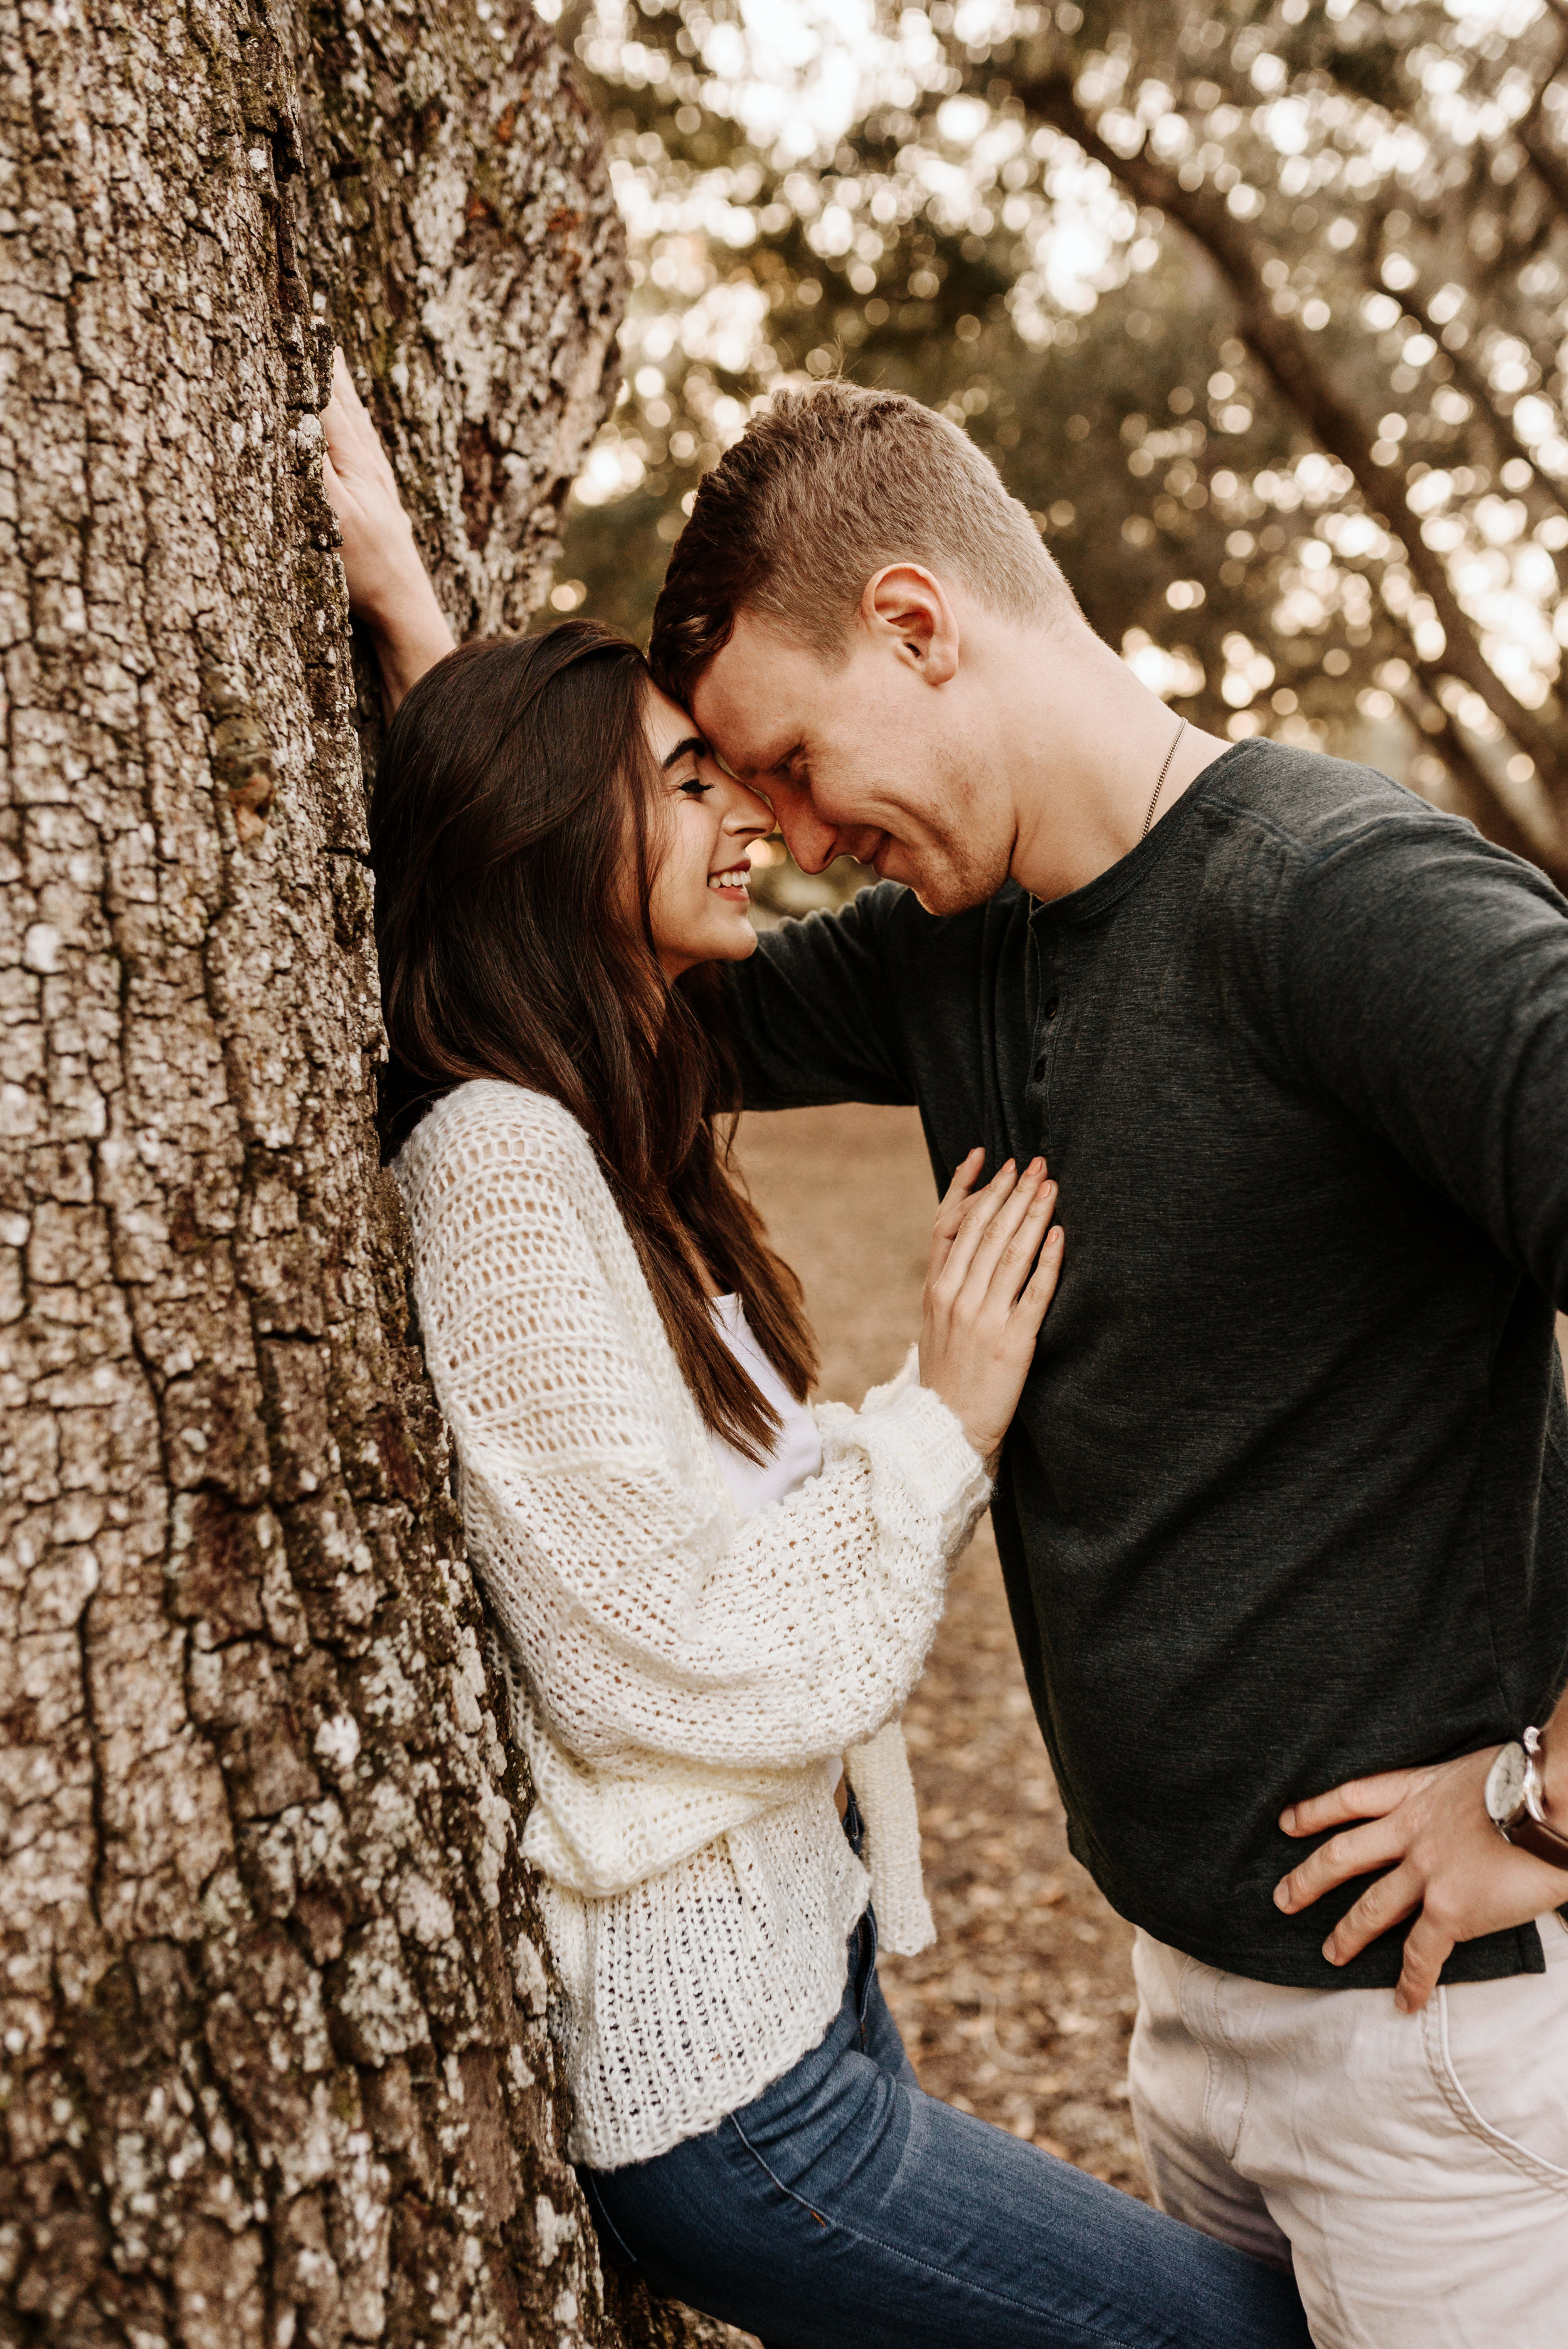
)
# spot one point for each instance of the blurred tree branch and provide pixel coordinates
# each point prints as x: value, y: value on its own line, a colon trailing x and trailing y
x: 1261, y: 310
x: 1287, y: 352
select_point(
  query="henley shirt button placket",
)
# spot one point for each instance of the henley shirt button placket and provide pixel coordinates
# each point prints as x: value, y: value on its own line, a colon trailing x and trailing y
x: 1050, y: 1012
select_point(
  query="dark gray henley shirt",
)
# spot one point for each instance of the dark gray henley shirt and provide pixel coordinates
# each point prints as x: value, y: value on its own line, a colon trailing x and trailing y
x: 1286, y: 1497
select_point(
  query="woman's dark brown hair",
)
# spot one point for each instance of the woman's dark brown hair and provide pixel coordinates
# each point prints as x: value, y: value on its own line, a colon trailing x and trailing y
x: 513, y: 849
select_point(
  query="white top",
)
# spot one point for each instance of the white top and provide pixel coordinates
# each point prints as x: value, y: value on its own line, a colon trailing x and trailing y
x: 683, y: 1679
x: 797, y: 1451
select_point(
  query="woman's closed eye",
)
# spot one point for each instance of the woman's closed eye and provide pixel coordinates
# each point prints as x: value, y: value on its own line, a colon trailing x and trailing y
x: 694, y: 748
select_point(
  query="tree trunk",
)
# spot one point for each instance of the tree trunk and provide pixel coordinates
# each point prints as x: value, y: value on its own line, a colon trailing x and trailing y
x: 276, y: 2063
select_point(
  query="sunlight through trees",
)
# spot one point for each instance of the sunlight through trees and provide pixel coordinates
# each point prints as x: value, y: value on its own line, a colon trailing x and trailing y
x: 1259, y: 311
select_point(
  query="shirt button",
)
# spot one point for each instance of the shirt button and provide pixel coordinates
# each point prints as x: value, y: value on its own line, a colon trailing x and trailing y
x: 1053, y: 1007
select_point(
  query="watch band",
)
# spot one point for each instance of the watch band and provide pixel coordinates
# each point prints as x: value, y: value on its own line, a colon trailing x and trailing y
x: 1528, y: 1828
x: 1535, y: 1837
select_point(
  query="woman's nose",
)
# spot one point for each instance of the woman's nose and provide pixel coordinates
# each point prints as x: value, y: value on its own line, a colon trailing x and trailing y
x: 747, y: 813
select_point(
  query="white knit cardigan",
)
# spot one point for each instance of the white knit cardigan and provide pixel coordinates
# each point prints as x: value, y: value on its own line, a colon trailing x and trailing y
x: 684, y: 1681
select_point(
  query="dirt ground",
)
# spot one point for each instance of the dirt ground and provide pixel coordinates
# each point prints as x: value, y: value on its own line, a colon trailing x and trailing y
x: 1021, y: 2011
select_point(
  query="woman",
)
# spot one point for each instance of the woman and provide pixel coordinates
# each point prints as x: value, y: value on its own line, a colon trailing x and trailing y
x: 714, y: 1600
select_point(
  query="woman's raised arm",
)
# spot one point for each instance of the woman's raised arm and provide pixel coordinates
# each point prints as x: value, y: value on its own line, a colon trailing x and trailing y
x: 389, y: 590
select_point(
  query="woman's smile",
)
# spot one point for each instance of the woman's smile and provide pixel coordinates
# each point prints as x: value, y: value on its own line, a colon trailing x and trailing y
x: 699, y: 888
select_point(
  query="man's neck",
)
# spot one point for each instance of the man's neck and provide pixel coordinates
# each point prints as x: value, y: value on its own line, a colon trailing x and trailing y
x: 1087, y: 742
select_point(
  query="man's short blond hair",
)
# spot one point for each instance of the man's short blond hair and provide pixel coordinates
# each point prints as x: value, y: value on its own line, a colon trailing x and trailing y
x: 826, y: 487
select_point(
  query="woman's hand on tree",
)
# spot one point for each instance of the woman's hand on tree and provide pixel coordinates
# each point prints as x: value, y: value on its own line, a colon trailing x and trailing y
x: 389, y: 589
x: 983, y: 1306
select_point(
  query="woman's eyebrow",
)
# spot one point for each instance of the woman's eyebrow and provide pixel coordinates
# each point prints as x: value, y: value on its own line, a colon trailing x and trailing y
x: 694, y: 743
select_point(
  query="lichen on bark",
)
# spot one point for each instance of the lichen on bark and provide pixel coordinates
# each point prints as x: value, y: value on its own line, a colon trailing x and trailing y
x: 275, y: 2063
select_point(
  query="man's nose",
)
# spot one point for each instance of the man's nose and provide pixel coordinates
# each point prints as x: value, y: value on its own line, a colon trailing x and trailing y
x: 812, y: 842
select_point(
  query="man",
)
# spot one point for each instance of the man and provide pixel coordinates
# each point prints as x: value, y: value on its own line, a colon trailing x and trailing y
x: 1285, y: 1503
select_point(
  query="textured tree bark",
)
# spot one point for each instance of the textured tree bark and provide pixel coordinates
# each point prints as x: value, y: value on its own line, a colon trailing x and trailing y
x: 275, y: 2056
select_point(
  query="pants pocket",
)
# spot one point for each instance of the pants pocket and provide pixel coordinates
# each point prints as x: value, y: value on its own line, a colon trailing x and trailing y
x: 863, y: 1965
x: 603, y: 2225
x: 1497, y: 2052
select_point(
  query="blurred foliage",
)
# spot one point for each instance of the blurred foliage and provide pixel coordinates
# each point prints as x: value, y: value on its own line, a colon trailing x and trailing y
x: 1258, y: 310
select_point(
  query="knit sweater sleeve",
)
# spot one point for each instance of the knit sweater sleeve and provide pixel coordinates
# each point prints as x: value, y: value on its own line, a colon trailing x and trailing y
x: 649, y: 1619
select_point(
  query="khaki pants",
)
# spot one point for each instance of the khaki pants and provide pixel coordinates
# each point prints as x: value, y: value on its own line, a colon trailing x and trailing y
x: 1415, y: 2167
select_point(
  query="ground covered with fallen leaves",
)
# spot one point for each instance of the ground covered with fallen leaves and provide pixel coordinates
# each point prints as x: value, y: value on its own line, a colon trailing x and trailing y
x: 1021, y: 2011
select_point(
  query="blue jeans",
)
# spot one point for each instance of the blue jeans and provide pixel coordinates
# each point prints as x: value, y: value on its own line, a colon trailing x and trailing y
x: 843, y: 2208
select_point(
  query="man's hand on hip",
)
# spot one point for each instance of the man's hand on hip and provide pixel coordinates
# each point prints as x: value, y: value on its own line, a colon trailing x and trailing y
x: 1430, y: 1829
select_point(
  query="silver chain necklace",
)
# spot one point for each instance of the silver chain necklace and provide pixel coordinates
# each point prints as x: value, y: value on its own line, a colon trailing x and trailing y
x: 1160, y: 786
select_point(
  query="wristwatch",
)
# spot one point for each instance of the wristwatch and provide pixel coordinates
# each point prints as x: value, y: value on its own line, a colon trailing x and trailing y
x: 1514, y: 1787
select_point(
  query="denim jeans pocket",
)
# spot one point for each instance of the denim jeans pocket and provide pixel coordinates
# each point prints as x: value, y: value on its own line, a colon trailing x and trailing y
x: 603, y: 2223
x: 863, y: 1965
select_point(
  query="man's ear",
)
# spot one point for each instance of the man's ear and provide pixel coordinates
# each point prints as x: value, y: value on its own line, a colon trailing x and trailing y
x: 906, y: 608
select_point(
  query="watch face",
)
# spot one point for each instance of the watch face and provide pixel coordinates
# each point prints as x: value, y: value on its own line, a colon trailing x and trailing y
x: 1505, y: 1786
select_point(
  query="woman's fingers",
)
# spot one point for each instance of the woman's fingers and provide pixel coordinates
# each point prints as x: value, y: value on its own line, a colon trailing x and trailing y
x: 951, y: 1213
x: 983, y: 1306
x: 1034, y: 1303
x: 955, y: 1197
x: 1347, y: 1856
x: 350, y: 418
x: 345, y: 391
x: 977, y: 1219
x: 353, y: 444
x: 987, y: 1228
x: 1011, y: 1242
x: 1357, y: 1798
x: 341, y: 413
